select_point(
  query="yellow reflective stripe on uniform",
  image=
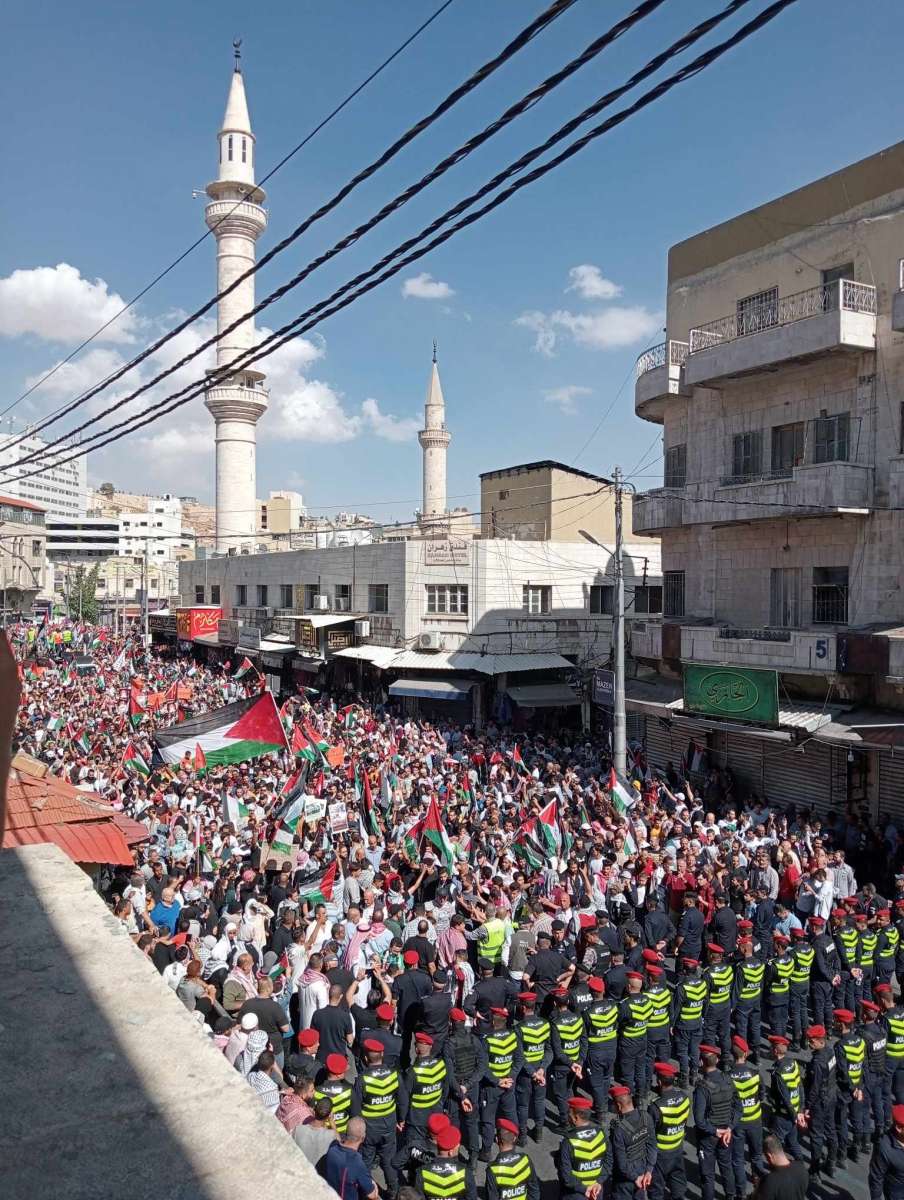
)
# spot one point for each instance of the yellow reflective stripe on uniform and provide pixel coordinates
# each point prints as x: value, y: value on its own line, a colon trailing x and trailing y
x: 660, y: 999
x: 694, y: 997
x: 428, y: 1083
x: 589, y: 1151
x: 749, y: 1094
x: 602, y: 1024
x: 443, y: 1185
x: 511, y: 1176
x: 895, y: 1045
x: 674, y: 1123
x: 752, y: 974
x: 491, y: 946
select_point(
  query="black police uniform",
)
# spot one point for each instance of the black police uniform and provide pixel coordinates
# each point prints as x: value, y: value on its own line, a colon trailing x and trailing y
x: 633, y: 1152
x: 886, y: 1169
x: 503, y: 1061
x: 716, y: 1106
x: 443, y: 1178
x: 822, y: 1097
x: 585, y: 1157
x: 671, y: 1112
x: 511, y: 1176
x: 601, y: 1023
x: 466, y: 1061
x: 787, y: 1102
x: 379, y: 1097
x: 534, y: 1036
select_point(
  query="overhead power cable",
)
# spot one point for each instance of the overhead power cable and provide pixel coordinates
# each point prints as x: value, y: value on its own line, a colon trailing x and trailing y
x: 550, y: 14
x: 207, y: 232
x: 323, y: 310
x: 591, y: 51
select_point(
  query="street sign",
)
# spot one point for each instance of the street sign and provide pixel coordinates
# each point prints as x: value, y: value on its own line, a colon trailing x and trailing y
x: 604, y: 688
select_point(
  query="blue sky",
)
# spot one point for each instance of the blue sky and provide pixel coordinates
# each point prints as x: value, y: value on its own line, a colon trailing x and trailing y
x: 116, y: 111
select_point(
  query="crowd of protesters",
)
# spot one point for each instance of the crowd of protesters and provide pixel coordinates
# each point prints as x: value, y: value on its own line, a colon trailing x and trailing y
x: 638, y: 965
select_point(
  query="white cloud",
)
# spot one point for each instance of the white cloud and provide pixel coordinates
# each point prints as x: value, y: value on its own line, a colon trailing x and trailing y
x: 564, y: 397
x: 72, y: 378
x: 384, y: 425
x: 312, y: 412
x: 588, y: 281
x: 604, y: 329
x: 541, y: 325
x: 58, y: 305
x: 425, y: 287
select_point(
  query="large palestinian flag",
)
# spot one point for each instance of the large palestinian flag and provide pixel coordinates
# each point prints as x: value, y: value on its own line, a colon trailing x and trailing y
x: 318, y: 888
x: 239, y: 731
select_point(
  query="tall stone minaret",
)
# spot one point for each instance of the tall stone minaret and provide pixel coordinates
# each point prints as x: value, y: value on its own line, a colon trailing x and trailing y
x: 434, y: 439
x: 236, y: 219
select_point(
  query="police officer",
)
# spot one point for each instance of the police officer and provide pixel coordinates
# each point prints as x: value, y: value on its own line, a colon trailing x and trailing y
x: 580, y: 997
x: 786, y: 1096
x: 427, y: 1086
x: 716, y: 1116
x: 749, y: 1134
x: 659, y: 1024
x: 536, y: 1058
x: 802, y: 955
x: 378, y: 1096
x: 382, y: 1033
x: 853, y: 1106
x: 617, y: 976
x: 869, y: 941
x: 601, y: 1024
x: 568, y: 1041
x: 748, y: 998
x: 336, y: 1088
x: 511, y: 1174
x: 466, y: 1063
x: 822, y: 1096
x: 434, y: 1012
x: 633, y: 1147
x: 503, y: 1064
x: 444, y: 1176
x: 886, y: 1168
x: 876, y: 1064
x: 671, y: 1112
x: 689, y: 943
x: 304, y: 1061
x: 847, y: 943
x: 887, y: 943
x: 546, y: 970
x: 719, y: 976
x: 777, y: 984
x: 633, y: 1014
x: 688, y: 1006
x: 893, y: 1022
x: 825, y: 974
x: 585, y: 1156
x: 491, y: 990
x: 409, y: 989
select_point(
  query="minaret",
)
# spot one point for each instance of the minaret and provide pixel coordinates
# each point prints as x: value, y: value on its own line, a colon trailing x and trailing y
x: 236, y: 219
x: 434, y: 439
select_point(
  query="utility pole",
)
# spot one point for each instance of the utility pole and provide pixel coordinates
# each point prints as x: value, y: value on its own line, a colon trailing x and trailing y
x: 147, y: 584
x: 619, y: 725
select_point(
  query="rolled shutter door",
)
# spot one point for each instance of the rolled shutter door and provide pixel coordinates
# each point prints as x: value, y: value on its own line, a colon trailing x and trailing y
x: 798, y: 775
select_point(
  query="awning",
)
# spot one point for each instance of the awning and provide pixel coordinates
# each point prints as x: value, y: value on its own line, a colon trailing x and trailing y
x: 302, y: 662
x: 544, y: 695
x: 323, y: 620
x: 379, y: 656
x: 270, y: 646
x: 653, y: 695
x: 206, y: 639
x: 865, y: 727
x: 431, y: 689
x: 486, y: 664
x: 90, y: 842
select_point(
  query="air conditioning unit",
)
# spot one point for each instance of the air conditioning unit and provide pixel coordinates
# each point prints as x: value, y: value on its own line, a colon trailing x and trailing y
x: 430, y: 641
x: 362, y: 629
x: 321, y: 603
x: 343, y: 604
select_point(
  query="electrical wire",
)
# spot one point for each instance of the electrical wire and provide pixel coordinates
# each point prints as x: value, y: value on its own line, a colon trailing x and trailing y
x: 298, y: 326
x: 550, y: 14
x: 207, y: 232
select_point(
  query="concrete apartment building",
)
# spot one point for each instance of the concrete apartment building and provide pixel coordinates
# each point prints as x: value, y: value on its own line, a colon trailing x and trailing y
x: 23, y: 556
x: 60, y: 489
x: 780, y: 390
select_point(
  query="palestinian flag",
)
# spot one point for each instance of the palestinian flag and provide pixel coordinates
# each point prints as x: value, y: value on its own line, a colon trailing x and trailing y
x: 200, y: 760
x: 119, y: 662
x: 244, y: 729
x: 292, y: 784
x: 283, y: 841
x: 496, y: 759
x: 245, y: 666
x: 411, y: 840
x: 279, y: 968
x: 316, y: 739
x: 136, y: 709
x: 619, y: 794
x: 83, y: 742
x: 519, y: 761
x: 318, y: 889
x: 285, y: 716
x: 234, y: 813
x: 385, y: 791
x: 133, y: 760
x: 548, y: 828
x: 302, y: 747
x: 526, y: 846
x: 367, y: 803
x: 435, y: 833
x: 349, y: 716
x: 55, y: 724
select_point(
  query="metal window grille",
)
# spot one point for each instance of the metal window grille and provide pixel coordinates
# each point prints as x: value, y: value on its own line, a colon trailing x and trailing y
x: 756, y: 312
x: 602, y: 599
x: 675, y: 475
x: 378, y: 597
x: 673, y: 593
x: 747, y: 455
x: 784, y: 597
x: 830, y: 595
x: 787, y: 447
x: 535, y: 599
x: 832, y: 438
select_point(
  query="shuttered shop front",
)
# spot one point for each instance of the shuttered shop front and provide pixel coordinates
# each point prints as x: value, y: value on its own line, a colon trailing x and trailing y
x: 891, y: 783
x: 745, y: 759
x: 798, y: 774
x: 668, y: 741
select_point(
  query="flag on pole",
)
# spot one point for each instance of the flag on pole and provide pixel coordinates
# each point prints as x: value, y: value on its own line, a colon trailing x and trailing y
x: 316, y: 739
x: 245, y: 666
x: 119, y: 662
x: 200, y: 758
x: 435, y: 832
x: 283, y: 841
x: 349, y: 716
x: 367, y: 802
x: 385, y: 791
x: 302, y: 747
x: 548, y: 828
x: 55, y: 724
x: 318, y: 889
x: 279, y: 968
x: 620, y: 794
x: 136, y: 709
x: 133, y: 760
x: 236, y: 732
x: 411, y: 838
x: 235, y: 813
x: 83, y: 742
x: 527, y: 846
x: 519, y: 761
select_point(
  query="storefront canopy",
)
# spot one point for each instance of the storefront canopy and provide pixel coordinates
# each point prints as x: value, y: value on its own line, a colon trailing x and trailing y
x: 431, y: 689
x: 543, y: 695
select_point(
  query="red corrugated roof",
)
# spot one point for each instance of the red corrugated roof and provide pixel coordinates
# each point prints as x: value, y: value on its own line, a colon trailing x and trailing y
x: 17, y: 503
x: 96, y: 842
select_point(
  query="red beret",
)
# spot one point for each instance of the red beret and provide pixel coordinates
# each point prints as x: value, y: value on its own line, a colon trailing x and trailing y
x: 843, y: 1014
x: 798, y: 934
x: 745, y: 924
x: 336, y: 1064
x: 499, y: 1012
x: 651, y: 956
x: 619, y: 1089
x: 580, y: 1103
x: 457, y: 1014
x: 868, y: 1006
x: 841, y: 915
x: 780, y: 938
x: 437, y: 1122
x: 423, y: 1038
x: 656, y: 972
x: 897, y: 1114
x: 777, y: 1040
x: 410, y: 958
x: 816, y: 1031
x: 715, y: 948
x: 744, y: 942
x: 738, y: 1042
x: 690, y: 962
x: 634, y: 975
x: 385, y: 1012
x: 706, y: 1049
x: 882, y: 989
x: 448, y: 1138
x: 559, y: 993
x: 596, y: 984
x: 509, y: 1126
x: 373, y: 1044
x: 884, y: 912
x: 899, y: 904
x: 527, y: 997
x: 665, y: 1070
x: 860, y: 917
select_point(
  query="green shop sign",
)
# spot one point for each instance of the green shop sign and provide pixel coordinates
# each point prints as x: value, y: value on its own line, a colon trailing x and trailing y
x: 733, y: 692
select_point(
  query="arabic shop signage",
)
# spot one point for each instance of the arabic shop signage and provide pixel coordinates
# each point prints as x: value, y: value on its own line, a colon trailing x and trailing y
x: 733, y: 692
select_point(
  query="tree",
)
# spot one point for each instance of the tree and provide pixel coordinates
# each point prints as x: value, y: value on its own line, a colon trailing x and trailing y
x: 82, y: 594
x: 107, y: 489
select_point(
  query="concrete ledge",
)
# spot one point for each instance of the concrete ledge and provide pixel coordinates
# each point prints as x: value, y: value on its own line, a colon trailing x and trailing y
x: 110, y: 1087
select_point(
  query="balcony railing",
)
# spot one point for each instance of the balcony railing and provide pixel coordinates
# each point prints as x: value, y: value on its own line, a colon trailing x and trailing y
x: 844, y: 294
x: 673, y: 354
x: 757, y: 477
x: 756, y: 635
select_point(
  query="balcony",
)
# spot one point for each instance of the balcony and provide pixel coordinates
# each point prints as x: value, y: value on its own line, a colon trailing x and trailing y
x: 796, y: 651
x: 660, y: 509
x: 646, y: 640
x: 837, y: 317
x: 658, y: 374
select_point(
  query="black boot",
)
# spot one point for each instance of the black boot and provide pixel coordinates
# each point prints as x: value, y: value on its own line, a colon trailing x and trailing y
x: 864, y: 1143
x: 537, y: 1132
x: 829, y: 1167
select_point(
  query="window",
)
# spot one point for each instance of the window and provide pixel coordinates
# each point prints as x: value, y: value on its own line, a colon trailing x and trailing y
x: 343, y: 595
x: 648, y: 601
x: 787, y: 447
x: 784, y: 597
x: 101, y: 583
x: 447, y: 598
x: 214, y: 593
x: 503, y: 495
x: 536, y: 599
x: 230, y: 148
x: 833, y: 274
x: 830, y: 595
x: 241, y: 594
x: 263, y: 516
x: 262, y: 592
x: 128, y: 583
x: 675, y: 467
x: 747, y: 454
x: 285, y: 595
x: 243, y: 150
x: 756, y: 312
x: 35, y: 549
x: 831, y: 438
x: 602, y: 599
x: 378, y: 598
x: 310, y: 591
x: 199, y: 593
x: 673, y: 593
